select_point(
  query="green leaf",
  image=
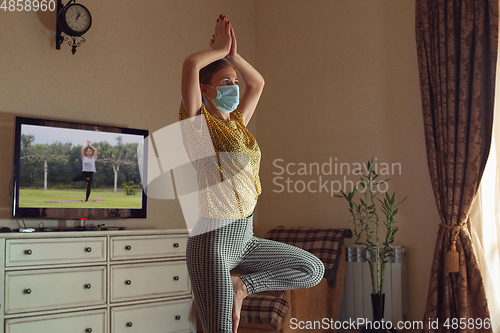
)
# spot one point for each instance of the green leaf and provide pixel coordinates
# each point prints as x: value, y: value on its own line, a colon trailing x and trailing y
x: 401, y: 201
x: 351, y: 195
x: 370, y: 165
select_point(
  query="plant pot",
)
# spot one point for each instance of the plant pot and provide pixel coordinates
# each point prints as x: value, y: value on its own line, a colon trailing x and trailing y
x: 377, y: 325
x: 378, y: 304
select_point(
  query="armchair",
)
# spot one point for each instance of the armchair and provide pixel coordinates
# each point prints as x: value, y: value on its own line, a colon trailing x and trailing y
x: 289, y: 310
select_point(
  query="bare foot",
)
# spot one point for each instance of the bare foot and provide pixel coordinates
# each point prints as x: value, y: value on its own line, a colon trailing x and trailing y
x: 239, y: 293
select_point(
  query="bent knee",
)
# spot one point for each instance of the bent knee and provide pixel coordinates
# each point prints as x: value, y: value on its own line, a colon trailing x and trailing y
x: 320, y: 272
x: 316, y: 270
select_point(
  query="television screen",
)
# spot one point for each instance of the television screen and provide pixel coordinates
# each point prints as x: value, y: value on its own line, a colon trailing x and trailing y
x: 65, y: 170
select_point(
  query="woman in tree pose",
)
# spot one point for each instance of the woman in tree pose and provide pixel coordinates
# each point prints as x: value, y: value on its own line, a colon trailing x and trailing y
x: 225, y: 261
x: 88, y: 167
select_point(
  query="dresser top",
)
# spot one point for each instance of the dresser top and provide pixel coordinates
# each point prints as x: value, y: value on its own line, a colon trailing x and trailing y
x: 76, y: 234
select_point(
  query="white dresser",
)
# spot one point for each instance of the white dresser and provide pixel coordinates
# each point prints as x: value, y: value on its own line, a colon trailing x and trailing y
x: 125, y: 281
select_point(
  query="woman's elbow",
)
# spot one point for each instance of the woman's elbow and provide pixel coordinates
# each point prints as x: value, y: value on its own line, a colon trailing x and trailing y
x: 257, y: 84
x: 190, y: 64
x: 261, y: 83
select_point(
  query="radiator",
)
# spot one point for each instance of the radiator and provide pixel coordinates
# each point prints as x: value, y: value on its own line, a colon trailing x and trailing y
x: 356, y: 302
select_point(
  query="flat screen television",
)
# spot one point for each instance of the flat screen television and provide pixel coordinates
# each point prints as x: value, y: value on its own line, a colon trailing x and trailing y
x: 49, y: 181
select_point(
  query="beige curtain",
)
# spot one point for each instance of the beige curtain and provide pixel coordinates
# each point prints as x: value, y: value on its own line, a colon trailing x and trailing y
x: 485, y: 221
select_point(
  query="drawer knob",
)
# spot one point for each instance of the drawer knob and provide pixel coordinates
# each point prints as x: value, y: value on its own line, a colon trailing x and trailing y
x: 27, y: 291
x: 129, y: 324
x: 176, y: 244
x: 177, y: 317
x: 88, y: 249
x: 176, y: 278
x: 28, y: 252
x: 128, y: 282
x: 88, y: 286
x: 88, y: 330
x: 128, y: 247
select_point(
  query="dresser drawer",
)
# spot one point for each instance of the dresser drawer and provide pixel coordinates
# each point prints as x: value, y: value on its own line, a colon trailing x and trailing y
x: 24, y: 252
x: 164, y: 317
x: 79, y: 322
x: 138, y: 281
x: 137, y: 247
x: 47, y: 289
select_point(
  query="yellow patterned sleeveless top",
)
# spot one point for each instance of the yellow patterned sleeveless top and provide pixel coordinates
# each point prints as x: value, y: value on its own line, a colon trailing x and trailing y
x: 228, y: 176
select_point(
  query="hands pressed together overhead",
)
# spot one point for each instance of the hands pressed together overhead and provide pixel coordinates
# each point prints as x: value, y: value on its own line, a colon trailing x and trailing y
x: 224, y: 37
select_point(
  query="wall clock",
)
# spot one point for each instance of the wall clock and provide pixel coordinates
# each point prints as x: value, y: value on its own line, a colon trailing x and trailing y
x: 73, y: 20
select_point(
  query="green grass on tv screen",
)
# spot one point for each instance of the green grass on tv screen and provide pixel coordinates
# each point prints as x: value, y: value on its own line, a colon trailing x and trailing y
x: 75, y: 198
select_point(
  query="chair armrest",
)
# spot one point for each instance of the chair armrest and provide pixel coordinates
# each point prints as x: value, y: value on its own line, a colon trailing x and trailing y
x: 316, y: 303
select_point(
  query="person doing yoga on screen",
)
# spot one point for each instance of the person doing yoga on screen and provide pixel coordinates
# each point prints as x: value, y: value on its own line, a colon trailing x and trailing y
x: 88, y: 167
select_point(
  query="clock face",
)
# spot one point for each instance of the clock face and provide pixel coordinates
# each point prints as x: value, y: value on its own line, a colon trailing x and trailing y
x: 77, y: 18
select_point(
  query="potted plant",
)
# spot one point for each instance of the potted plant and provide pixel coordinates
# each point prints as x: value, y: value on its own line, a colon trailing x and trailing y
x: 368, y: 211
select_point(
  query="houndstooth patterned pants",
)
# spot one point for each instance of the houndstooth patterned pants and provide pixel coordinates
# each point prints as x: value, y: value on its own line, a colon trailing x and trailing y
x: 261, y: 263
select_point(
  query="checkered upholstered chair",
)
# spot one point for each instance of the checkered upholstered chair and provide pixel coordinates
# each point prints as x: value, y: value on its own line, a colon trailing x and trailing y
x: 280, y: 311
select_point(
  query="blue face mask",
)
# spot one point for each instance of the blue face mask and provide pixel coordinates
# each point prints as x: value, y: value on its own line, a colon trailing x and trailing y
x: 228, y: 98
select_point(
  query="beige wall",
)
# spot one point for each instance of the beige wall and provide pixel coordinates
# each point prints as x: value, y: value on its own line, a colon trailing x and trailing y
x: 341, y: 82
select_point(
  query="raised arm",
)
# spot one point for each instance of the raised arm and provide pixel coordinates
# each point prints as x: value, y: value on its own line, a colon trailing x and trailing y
x: 254, y: 81
x: 95, y: 151
x: 190, y: 86
x: 81, y: 153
